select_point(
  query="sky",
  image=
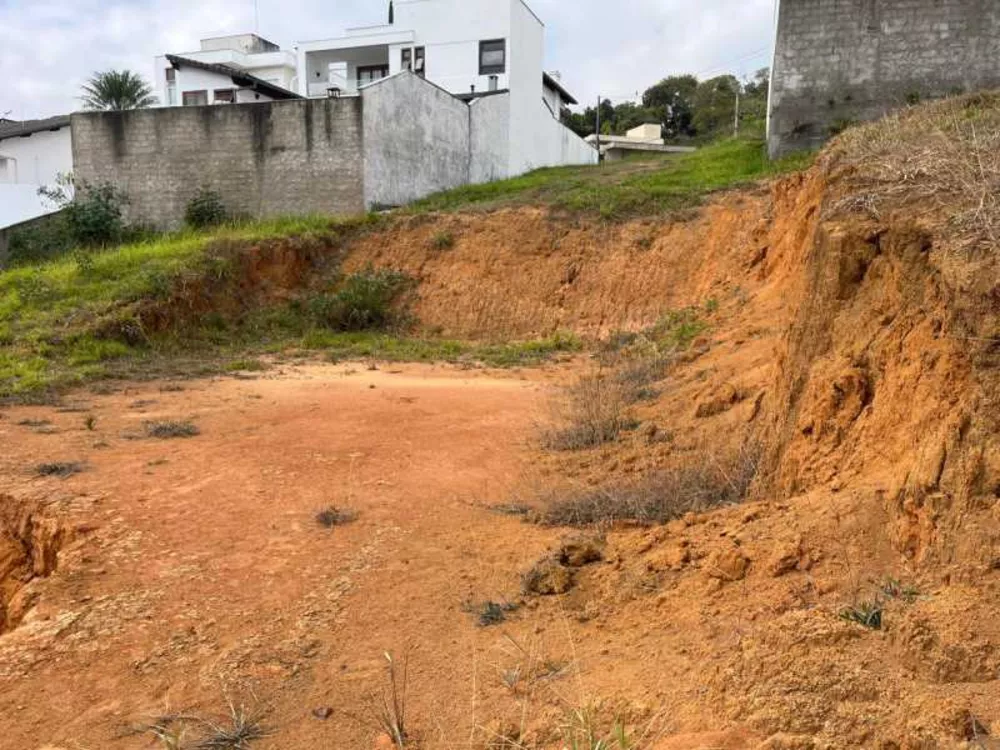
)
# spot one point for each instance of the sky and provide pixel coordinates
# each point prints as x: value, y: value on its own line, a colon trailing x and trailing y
x: 48, y: 48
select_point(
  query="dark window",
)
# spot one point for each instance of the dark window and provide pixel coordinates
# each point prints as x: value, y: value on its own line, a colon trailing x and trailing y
x: 371, y: 73
x: 225, y: 96
x: 492, y: 57
x: 419, y: 60
x: 171, y: 75
x: 195, y: 98
x: 407, y: 59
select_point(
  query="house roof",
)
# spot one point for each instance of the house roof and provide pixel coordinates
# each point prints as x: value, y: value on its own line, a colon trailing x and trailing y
x: 238, y: 77
x: 553, y: 83
x: 20, y: 129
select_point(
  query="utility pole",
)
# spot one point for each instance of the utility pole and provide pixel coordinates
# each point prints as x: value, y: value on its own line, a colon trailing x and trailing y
x: 598, y: 131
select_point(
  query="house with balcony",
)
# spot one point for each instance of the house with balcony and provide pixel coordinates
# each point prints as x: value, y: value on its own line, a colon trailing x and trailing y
x: 469, y: 48
x: 238, y: 69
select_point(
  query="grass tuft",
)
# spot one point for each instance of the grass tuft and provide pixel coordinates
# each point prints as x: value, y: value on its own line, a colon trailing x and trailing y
x: 867, y: 614
x: 61, y: 470
x: 170, y: 430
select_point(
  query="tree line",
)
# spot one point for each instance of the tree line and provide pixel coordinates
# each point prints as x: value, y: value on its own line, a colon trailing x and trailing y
x: 688, y: 109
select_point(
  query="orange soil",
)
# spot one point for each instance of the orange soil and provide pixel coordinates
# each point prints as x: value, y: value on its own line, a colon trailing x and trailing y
x: 860, y: 353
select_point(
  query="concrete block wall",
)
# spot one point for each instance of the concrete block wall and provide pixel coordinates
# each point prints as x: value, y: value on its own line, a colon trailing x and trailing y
x: 268, y: 159
x: 842, y: 61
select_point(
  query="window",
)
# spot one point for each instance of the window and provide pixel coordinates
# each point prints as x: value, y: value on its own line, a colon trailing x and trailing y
x: 195, y: 98
x: 171, y: 74
x: 493, y: 57
x: 371, y: 73
x: 225, y: 96
x: 407, y: 61
x: 418, y: 58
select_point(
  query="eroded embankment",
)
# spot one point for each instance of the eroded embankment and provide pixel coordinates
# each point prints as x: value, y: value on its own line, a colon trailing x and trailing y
x: 30, y: 541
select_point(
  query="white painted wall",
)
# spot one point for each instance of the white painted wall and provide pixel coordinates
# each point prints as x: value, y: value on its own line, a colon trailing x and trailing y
x: 41, y: 157
x: 450, y: 31
x: 29, y: 163
x: 489, y: 136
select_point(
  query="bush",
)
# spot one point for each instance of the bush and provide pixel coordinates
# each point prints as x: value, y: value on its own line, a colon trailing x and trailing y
x: 706, y: 483
x: 95, y: 216
x: 595, y: 412
x: 368, y: 300
x: 205, y: 210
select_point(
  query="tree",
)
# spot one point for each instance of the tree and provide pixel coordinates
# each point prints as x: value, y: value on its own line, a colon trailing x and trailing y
x: 117, y: 90
x: 672, y: 101
x: 715, y: 105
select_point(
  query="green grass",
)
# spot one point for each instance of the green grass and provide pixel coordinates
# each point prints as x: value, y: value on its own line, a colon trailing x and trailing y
x: 648, y: 186
x: 392, y: 348
x: 52, y: 314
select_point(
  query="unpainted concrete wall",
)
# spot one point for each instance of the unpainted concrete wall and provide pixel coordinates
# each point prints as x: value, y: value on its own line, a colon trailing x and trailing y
x: 416, y: 138
x: 838, y: 61
x: 490, y: 138
x: 269, y: 159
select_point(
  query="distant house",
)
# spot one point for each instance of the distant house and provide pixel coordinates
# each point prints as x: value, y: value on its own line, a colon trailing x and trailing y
x: 33, y: 153
x: 472, y: 49
x: 646, y: 138
x: 238, y: 69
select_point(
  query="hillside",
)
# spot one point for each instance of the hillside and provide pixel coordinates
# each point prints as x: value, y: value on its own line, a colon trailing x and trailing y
x: 736, y: 487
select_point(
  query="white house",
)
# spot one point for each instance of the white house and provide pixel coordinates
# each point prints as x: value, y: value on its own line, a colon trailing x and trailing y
x: 644, y: 139
x: 470, y: 48
x: 33, y: 154
x: 238, y: 69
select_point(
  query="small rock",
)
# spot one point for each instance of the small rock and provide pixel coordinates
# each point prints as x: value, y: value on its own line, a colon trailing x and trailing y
x: 786, y: 559
x: 384, y: 742
x: 581, y: 550
x: 323, y: 713
x: 547, y: 578
x: 728, y: 565
x: 718, y: 403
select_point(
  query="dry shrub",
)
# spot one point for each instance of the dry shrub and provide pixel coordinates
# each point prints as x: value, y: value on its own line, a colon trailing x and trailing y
x: 945, y: 154
x: 594, y: 412
x: 707, y: 483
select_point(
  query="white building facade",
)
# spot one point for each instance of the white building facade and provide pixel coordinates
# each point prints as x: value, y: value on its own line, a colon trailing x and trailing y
x: 33, y: 154
x: 470, y: 48
x: 239, y: 69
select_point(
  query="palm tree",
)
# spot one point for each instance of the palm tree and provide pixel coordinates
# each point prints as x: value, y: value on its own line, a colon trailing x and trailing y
x: 117, y: 89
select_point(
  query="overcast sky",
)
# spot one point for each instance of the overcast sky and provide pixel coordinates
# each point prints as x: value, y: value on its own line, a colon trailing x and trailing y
x: 49, y: 47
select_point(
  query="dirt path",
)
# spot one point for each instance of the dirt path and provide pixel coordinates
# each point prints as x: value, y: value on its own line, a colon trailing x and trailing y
x: 199, y: 570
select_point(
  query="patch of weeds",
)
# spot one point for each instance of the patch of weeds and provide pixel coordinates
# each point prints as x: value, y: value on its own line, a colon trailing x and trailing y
x: 677, y: 329
x: 490, y: 613
x: 511, y: 509
x: 386, y: 706
x: 443, y: 240
x: 34, y: 423
x: 236, y: 731
x: 895, y: 589
x: 61, y: 470
x: 594, y: 413
x: 582, y: 731
x: 170, y: 430
x: 332, y: 517
x: 867, y: 614
x: 246, y: 365
x: 365, y: 301
x: 706, y: 483
x: 711, y: 305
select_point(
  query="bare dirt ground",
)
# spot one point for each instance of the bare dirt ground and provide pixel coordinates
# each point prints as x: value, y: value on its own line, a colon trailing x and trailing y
x: 174, y: 575
x: 198, y: 570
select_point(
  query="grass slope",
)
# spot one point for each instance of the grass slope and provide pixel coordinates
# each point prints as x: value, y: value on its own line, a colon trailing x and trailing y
x: 55, y: 317
x: 638, y: 187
